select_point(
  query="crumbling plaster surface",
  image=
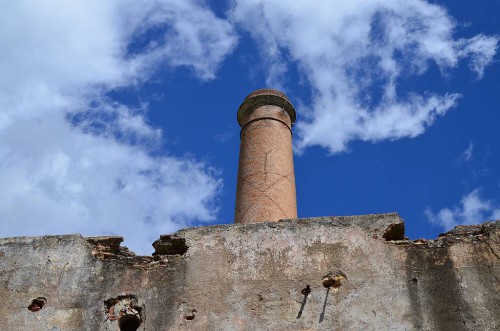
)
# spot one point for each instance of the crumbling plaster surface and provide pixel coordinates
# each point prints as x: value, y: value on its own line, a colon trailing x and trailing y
x: 258, y: 277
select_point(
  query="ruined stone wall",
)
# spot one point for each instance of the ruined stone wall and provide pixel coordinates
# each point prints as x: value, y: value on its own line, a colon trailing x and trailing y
x: 266, y: 276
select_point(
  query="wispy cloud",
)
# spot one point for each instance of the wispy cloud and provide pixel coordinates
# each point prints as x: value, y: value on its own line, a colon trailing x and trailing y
x: 75, y: 161
x: 354, y: 55
x: 467, y: 154
x: 472, y: 209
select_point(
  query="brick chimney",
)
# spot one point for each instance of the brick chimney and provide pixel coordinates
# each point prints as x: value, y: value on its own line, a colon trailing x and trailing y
x: 266, y: 179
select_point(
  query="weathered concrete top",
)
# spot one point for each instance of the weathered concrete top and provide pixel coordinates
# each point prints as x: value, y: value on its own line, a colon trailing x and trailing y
x: 264, y: 97
x: 265, y: 276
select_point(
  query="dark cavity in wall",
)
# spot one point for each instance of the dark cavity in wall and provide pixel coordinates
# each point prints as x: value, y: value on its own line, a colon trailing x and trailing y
x: 129, y: 323
x: 170, y: 245
x: 188, y: 312
x: 394, y: 232
x: 37, y: 304
x: 126, y: 310
x: 190, y: 316
x: 334, y: 280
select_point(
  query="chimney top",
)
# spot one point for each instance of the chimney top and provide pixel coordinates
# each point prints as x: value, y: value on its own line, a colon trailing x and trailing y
x: 266, y: 97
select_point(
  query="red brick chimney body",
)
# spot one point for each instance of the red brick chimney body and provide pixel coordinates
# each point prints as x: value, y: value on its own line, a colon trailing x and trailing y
x: 266, y: 179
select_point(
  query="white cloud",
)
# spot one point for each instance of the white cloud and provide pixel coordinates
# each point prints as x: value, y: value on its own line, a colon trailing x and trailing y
x: 354, y: 55
x: 481, y: 50
x: 75, y: 161
x: 471, y: 210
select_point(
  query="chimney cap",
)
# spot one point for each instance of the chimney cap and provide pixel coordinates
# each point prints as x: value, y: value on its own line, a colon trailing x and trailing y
x: 264, y: 97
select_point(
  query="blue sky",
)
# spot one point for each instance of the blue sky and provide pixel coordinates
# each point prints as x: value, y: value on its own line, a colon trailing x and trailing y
x: 119, y: 117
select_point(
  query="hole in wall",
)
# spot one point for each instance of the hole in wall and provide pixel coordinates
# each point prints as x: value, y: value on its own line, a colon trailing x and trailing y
x: 394, y: 232
x: 129, y: 323
x: 334, y: 280
x: 170, y: 245
x: 187, y: 312
x: 190, y: 316
x: 37, y: 304
x: 126, y: 310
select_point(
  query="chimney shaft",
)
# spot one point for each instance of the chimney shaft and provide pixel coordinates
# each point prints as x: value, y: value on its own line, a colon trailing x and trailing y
x: 266, y: 179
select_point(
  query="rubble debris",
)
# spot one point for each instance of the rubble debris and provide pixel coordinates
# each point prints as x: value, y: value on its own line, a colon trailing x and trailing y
x: 462, y: 233
x: 108, y: 248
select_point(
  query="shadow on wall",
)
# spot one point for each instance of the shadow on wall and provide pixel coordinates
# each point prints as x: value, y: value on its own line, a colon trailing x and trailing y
x: 330, y: 282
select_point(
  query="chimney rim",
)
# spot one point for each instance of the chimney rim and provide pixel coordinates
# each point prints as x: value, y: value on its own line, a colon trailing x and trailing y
x: 262, y: 97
